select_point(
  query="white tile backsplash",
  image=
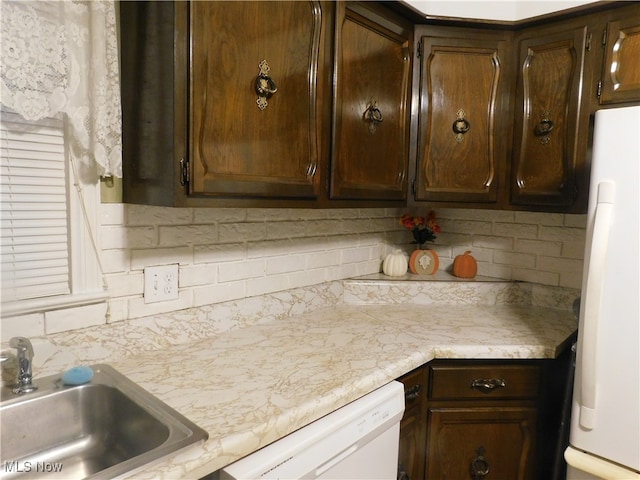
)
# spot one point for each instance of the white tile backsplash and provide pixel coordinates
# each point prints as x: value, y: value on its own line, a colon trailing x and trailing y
x: 231, y: 254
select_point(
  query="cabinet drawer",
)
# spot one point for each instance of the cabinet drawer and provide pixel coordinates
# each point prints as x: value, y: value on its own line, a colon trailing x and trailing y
x: 461, y: 382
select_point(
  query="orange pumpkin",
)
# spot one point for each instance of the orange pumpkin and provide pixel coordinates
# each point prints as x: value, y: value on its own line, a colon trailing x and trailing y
x: 465, y: 266
x: 424, y: 262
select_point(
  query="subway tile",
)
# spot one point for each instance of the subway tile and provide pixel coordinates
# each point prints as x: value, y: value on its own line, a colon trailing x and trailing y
x: 233, y: 271
x: 129, y: 283
x: 539, y: 247
x: 31, y: 325
x: 181, y: 235
x: 224, y: 252
x: 141, y: 258
x: 561, y: 234
x: 322, y: 259
x: 488, y: 241
x: 138, y: 308
x: 515, y: 259
x: 277, y: 230
x: 211, y: 294
x: 113, y: 237
x: 74, y: 318
x: 196, y: 275
x: 219, y: 215
x: 540, y: 218
x: 558, y: 264
x: 516, y: 230
x: 270, y: 284
x: 116, y: 260
x: 285, y: 264
x: 573, y: 249
x: 571, y: 279
x: 354, y: 255
x: 112, y: 214
x: 149, y: 215
x: 577, y: 221
x: 241, y: 232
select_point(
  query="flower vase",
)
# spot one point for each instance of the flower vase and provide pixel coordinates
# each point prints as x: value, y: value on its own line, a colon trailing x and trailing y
x: 424, y: 262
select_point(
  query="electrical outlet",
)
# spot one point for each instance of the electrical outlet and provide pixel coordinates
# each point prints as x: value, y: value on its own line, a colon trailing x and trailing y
x: 161, y: 283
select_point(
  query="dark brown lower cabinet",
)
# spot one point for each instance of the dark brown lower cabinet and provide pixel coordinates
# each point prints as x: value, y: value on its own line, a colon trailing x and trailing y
x: 475, y: 420
x: 478, y: 443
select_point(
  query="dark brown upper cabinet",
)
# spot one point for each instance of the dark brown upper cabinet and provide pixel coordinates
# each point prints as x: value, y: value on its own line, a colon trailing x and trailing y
x: 371, y: 121
x: 225, y: 101
x: 547, y: 128
x: 255, y: 109
x: 621, y: 67
x: 463, y: 115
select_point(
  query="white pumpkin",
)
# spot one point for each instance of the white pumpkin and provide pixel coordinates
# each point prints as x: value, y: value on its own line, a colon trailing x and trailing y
x: 395, y: 264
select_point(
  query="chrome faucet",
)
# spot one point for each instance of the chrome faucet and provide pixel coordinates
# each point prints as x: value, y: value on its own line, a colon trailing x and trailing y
x: 25, y: 359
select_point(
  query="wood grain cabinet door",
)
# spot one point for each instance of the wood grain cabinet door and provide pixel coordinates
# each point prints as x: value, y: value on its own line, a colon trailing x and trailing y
x: 460, y: 142
x: 481, y: 443
x: 371, y: 115
x: 546, y: 162
x: 240, y: 145
x: 621, y: 70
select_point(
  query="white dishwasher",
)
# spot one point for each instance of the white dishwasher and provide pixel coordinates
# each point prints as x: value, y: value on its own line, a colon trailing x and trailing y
x: 357, y: 441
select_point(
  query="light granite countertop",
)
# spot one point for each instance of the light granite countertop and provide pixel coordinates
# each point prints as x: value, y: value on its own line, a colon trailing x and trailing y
x: 254, y: 383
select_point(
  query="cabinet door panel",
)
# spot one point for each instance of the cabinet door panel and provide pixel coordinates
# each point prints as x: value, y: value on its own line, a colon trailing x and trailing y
x: 621, y: 71
x: 236, y: 147
x: 502, y: 436
x: 545, y: 159
x: 371, y: 124
x: 460, y: 88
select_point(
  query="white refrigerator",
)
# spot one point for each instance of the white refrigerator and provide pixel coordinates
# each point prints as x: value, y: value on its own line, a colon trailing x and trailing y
x: 605, y: 417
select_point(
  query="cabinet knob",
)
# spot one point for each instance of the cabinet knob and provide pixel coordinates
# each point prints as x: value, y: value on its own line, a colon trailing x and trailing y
x: 487, y: 385
x: 412, y: 393
x: 544, y: 128
x: 265, y: 86
x: 461, y: 125
x: 479, y: 465
x: 373, y: 115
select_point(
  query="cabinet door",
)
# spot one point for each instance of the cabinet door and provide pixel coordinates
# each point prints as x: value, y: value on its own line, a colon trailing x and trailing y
x: 242, y: 143
x: 481, y: 443
x: 621, y: 70
x: 546, y: 159
x: 460, y: 140
x: 371, y: 116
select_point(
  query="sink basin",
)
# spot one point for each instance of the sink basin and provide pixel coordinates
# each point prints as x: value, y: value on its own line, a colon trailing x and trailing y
x: 107, y: 428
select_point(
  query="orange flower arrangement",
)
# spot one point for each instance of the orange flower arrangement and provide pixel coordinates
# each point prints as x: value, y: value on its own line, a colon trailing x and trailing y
x: 424, y: 229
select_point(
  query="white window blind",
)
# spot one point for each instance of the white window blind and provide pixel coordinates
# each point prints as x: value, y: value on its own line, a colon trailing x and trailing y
x: 34, y: 210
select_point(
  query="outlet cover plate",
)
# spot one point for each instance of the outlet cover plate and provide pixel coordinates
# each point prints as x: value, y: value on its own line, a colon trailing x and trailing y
x: 161, y: 283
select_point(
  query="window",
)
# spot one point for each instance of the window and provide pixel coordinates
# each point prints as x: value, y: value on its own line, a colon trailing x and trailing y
x: 48, y: 256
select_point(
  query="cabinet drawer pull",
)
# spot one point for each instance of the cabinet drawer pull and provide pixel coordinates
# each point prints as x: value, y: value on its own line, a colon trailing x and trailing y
x: 543, y: 129
x: 373, y: 115
x: 265, y: 86
x: 461, y: 125
x: 479, y: 465
x: 412, y: 393
x: 488, y: 385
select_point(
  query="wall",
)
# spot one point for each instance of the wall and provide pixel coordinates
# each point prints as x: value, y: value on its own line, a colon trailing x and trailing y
x: 231, y: 254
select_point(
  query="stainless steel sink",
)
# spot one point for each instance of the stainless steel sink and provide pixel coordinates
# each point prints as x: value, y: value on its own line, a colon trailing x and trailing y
x: 104, y: 429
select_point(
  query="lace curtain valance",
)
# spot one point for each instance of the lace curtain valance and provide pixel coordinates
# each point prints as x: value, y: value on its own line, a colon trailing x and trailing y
x: 62, y: 56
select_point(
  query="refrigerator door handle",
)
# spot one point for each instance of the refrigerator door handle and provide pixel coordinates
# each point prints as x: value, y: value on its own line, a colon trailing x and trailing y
x: 593, y: 296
